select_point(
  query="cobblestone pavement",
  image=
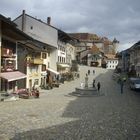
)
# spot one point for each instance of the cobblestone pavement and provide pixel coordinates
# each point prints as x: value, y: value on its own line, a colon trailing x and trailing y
x: 57, y: 115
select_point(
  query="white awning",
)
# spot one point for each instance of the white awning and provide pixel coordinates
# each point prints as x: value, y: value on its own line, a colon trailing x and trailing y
x: 53, y: 71
x: 12, y: 76
x: 64, y: 65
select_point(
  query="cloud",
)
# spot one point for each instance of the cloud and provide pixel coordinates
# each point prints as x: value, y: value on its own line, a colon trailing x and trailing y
x: 110, y: 18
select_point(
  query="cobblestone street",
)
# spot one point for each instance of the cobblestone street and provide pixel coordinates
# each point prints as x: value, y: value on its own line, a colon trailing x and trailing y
x: 59, y: 115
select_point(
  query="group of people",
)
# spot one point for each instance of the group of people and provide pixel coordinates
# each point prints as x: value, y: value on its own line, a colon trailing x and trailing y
x: 89, y: 72
x: 93, y: 84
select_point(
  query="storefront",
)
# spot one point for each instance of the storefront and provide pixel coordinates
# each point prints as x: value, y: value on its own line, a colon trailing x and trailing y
x: 9, y: 80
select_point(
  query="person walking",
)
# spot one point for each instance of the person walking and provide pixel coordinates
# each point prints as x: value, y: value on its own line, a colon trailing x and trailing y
x: 93, y: 72
x: 93, y: 84
x: 88, y: 72
x: 98, y: 86
x: 86, y: 81
x: 121, y: 82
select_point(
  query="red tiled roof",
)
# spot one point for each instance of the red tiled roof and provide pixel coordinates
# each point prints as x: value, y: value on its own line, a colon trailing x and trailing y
x: 110, y: 56
x: 94, y: 49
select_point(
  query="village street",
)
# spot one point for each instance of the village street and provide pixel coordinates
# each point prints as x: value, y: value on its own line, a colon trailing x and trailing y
x: 59, y: 115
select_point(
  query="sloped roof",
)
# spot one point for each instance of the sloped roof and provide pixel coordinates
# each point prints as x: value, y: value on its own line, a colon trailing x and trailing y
x: 111, y: 56
x: 85, y: 36
x: 135, y: 46
x: 9, y: 28
x: 94, y: 49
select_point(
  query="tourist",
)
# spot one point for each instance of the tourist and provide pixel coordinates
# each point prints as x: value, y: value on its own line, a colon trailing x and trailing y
x: 93, y: 84
x: 88, y: 72
x: 93, y: 72
x: 98, y: 86
x: 86, y: 81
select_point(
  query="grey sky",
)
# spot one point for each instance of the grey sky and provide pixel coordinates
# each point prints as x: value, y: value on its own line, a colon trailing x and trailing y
x: 110, y: 18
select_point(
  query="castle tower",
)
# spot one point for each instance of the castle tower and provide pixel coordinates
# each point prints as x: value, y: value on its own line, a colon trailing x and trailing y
x: 115, y: 45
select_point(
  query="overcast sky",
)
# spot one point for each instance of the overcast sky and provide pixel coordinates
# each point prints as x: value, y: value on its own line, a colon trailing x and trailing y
x: 110, y: 18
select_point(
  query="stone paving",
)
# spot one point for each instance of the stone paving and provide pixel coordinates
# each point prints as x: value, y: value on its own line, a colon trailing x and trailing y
x: 58, y: 115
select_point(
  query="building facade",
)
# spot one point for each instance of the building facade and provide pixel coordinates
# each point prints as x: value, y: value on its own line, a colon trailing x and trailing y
x: 86, y: 41
x: 11, y: 76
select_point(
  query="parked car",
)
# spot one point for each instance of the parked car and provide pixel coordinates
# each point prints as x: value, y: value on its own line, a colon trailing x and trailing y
x: 135, y: 83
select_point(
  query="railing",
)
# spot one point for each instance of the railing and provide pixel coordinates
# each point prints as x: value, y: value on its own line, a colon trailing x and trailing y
x: 7, y: 52
x: 36, y: 61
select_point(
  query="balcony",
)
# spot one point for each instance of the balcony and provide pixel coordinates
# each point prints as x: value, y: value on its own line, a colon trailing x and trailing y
x: 7, y: 53
x: 36, y: 61
x: 8, y: 64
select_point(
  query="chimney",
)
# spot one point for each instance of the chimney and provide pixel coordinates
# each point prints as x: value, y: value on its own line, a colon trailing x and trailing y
x: 48, y: 20
x: 23, y: 20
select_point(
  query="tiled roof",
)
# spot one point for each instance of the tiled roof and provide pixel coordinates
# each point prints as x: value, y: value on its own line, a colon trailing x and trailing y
x: 94, y: 49
x: 85, y: 36
x: 110, y: 56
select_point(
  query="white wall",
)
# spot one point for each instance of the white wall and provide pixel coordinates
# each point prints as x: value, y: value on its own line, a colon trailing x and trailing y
x: 111, y: 64
x: 39, y: 30
x: 53, y: 59
x: 18, y: 21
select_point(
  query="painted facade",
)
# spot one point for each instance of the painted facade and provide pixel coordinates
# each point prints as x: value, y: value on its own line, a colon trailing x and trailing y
x: 47, y: 36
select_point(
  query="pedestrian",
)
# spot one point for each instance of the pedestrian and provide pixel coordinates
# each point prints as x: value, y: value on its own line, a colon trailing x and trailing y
x: 121, y: 81
x: 93, y: 72
x: 98, y: 86
x: 93, y: 84
x: 86, y: 81
x: 88, y: 72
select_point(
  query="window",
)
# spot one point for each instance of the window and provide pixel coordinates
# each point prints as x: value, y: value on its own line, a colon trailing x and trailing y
x: 31, y: 27
x: 36, y: 82
x: 44, y: 55
x: 36, y: 69
x: 48, y: 54
x: 43, y: 67
x: 60, y: 59
x: 48, y: 64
